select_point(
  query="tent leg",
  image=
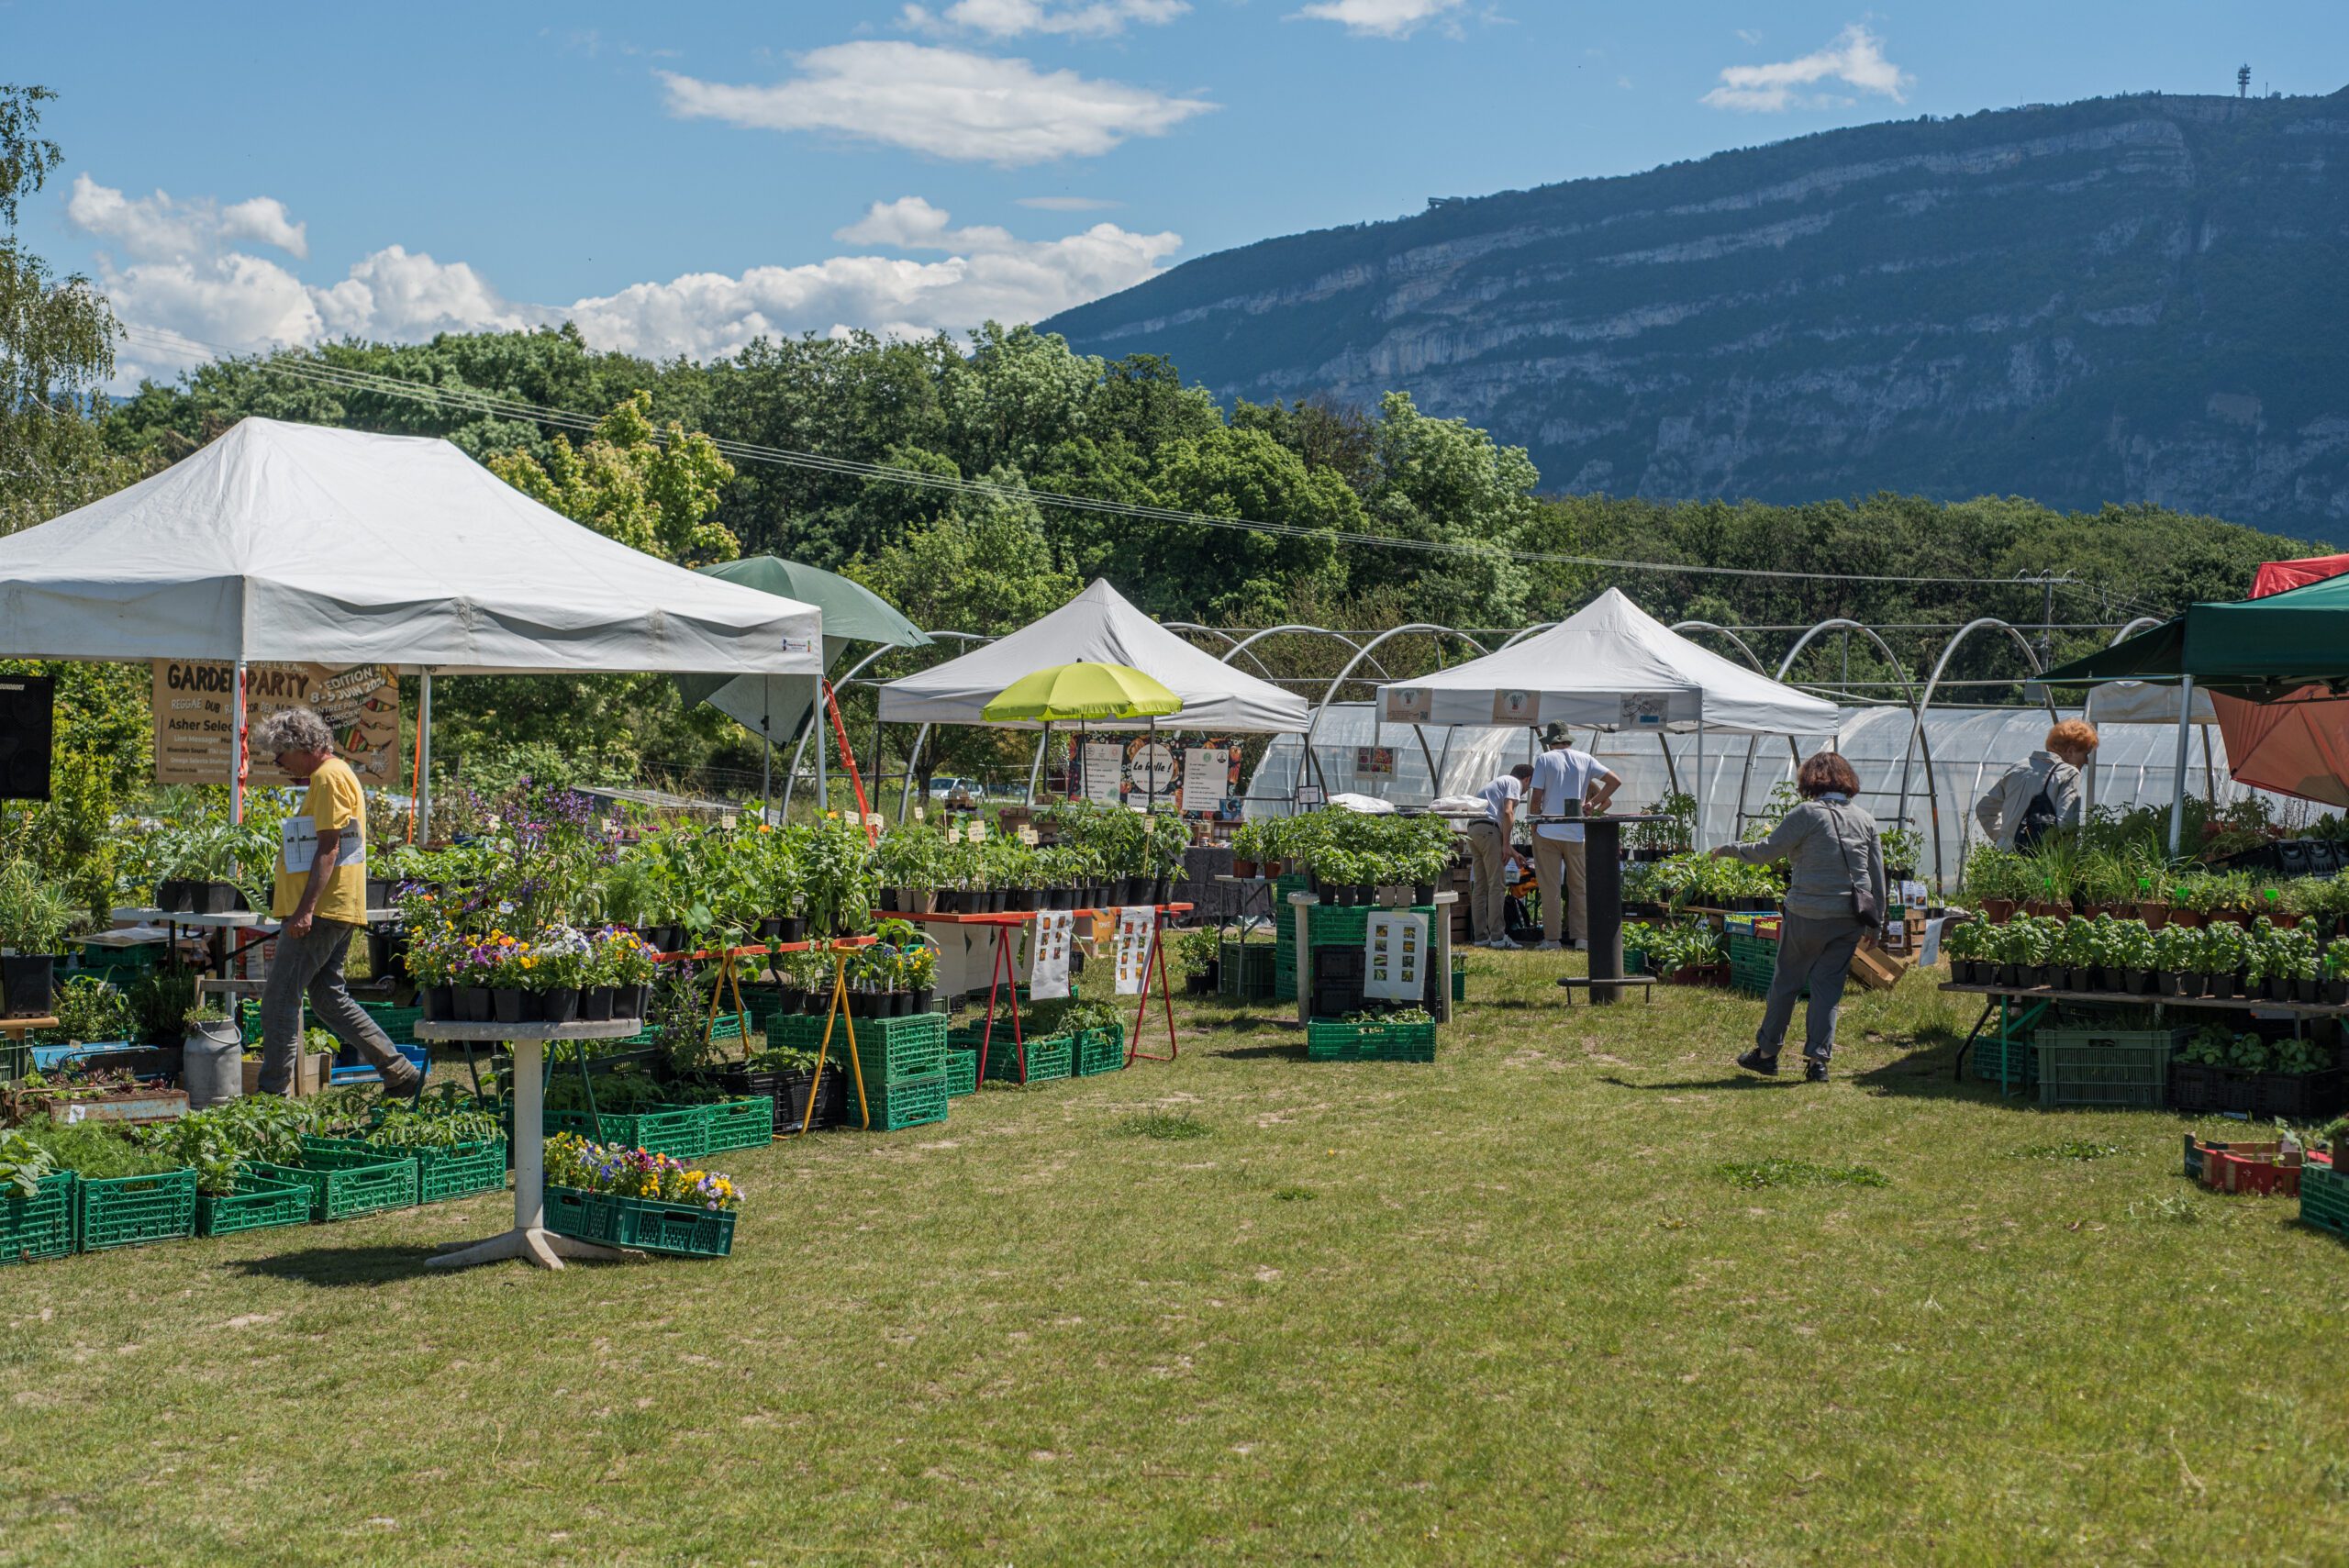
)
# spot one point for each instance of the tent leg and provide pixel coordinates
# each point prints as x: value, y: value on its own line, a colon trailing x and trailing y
x: 798, y: 756
x: 1697, y: 820
x: 913, y: 763
x: 2185, y: 741
x: 823, y: 802
x: 766, y: 766
x: 236, y: 755
x: 424, y: 756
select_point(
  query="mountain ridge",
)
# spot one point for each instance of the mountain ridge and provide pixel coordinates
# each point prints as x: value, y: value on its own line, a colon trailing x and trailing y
x: 2121, y: 299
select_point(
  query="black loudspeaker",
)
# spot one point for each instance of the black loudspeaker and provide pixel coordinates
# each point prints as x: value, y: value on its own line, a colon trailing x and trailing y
x: 26, y: 702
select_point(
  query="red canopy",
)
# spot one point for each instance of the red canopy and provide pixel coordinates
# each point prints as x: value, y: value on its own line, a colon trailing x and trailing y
x: 2299, y: 745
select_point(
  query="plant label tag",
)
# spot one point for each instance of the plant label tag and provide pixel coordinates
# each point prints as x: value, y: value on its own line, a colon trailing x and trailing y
x: 919, y: 814
x: 977, y: 833
x: 726, y: 819
x: 874, y: 819
x: 953, y: 835
x: 1028, y: 836
x: 77, y: 1113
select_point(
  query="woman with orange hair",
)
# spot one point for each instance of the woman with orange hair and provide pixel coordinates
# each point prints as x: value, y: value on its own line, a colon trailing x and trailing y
x: 2043, y: 795
x: 1834, y: 900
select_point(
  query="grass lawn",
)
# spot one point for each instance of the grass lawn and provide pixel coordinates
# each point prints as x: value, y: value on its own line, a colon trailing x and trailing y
x: 1505, y: 1309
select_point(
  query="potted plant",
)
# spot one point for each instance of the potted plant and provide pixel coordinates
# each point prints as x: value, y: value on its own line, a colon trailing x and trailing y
x: 2177, y: 959
x: 2337, y: 973
x: 1995, y: 880
x: 2131, y: 958
x: 1248, y: 848
x: 1964, y: 940
x: 1903, y: 851
x: 36, y: 917
x: 918, y: 972
x: 2030, y: 941
x: 2073, y: 954
x: 2225, y: 952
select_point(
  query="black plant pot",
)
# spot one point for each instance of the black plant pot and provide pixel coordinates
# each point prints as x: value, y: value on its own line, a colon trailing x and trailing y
x: 1366, y: 895
x: 901, y: 1004
x: 794, y: 929
x: 788, y: 999
x: 559, y: 1004
x: 2009, y: 974
x: 859, y: 1003
x: 770, y: 929
x: 219, y: 899
x: 440, y: 1003
x: 889, y: 904
x: 1019, y: 899
x: 945, y: 901
x: 30, y: 983
x: 1162, y: 890
x: 2336, y: 991
x: 1424, y: 892
x: 2304, y: 990
x: 596, y: 1004
x: 473, y: 1005
x: 924, y: 999
x: 380, y: 890
x: 2133, y: 980
x: 2279, y: 987
x: 174, y: 894
x: 513, y: 1006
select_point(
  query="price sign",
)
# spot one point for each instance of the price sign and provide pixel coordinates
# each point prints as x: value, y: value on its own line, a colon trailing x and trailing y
x: 975, y: 833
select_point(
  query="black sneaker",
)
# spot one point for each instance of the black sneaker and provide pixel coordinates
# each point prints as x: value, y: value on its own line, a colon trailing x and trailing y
x: 1754, y: 1061
x: 1813, y: 1070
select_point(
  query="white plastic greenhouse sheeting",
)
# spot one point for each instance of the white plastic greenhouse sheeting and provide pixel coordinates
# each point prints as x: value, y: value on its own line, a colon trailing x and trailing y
x: 1971, y: 747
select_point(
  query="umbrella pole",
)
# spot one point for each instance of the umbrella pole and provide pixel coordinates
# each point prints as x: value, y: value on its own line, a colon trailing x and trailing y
x: 1036, y: 768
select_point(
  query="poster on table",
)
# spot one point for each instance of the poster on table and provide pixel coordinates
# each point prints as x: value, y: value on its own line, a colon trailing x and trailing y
x: 196, y: 739
x: 1210, y: 773
x: 1150, y: 772
x: 1395, y: 956
x: 1134, y: 927
x: 1048, y: 973
x: 1105, y: 771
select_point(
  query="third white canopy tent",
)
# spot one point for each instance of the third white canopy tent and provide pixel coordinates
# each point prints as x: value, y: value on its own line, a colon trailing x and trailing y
x: 1612, y: 667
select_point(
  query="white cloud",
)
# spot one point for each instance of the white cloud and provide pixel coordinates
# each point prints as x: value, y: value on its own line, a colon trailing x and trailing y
x: 1011, y: 18
x: 948, y: 103
x: 985, y: 274
x: 1068, y: 204
x: 185, y: 306
x: 1748, y: 36
x: 159, y: 225
x: 1855, y: 58
x: 1382, y: 18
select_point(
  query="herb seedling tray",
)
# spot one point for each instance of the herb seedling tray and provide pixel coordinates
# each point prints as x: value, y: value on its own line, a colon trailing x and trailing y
x: 258, y: 1204
x: 616, y: 1221
x: 1099, y: 1051
x: 41, y: 1226
x: 739, y: 1124
x: 129, y: 1211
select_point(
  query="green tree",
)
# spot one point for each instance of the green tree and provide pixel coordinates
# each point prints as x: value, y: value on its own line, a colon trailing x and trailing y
x: 985, y: 567
x: 652, y: 491
x: 1197, y: 570
x: 57, y: 341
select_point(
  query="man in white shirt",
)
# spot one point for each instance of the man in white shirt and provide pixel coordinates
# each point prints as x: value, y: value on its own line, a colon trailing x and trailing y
x: 1562, y: 775
x: 1489, y: 837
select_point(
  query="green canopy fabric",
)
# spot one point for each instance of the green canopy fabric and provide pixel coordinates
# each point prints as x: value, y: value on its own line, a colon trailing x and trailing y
x: 1080, y: 693
x: 776, y: 707
x: 2259, y: 649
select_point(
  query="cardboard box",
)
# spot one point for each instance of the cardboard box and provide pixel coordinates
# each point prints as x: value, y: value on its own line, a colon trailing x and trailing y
x: 1876, y: 970
x: 310, y: 1070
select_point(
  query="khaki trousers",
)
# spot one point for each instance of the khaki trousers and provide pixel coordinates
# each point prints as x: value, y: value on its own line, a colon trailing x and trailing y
x: 1489, y: 887
x: 1552, y: 857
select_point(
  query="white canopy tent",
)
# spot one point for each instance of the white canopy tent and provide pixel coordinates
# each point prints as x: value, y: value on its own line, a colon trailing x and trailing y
x: 1096, y: 626
x: 1610, y: 667
x: 296, y: 542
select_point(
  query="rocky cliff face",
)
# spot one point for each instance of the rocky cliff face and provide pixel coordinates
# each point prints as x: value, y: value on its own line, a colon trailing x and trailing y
x: 2142, y: 298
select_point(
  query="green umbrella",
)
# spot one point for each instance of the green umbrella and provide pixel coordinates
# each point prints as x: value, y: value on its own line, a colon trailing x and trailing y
x: 1081, y: 691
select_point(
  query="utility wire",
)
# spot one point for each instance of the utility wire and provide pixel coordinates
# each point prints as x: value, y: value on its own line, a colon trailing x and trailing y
x: 345, y: 378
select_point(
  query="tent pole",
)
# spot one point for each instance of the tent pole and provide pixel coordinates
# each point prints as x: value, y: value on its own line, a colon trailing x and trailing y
x: 913, y: 761
x: 822, y: 799
x: 237, y: 754
x: 766, y: 766
x: 424, y: 754
x: 1696, y: 819
x: 1036, y: 768
x: 2185, y: 741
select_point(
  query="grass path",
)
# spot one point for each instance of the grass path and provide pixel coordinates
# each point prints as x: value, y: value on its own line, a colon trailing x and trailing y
x: 1506, y: 1308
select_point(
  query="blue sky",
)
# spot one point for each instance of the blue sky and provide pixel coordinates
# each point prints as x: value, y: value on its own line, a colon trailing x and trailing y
x: 679, y: 178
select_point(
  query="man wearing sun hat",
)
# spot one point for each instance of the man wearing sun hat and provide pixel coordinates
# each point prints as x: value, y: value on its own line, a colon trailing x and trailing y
x: 1565, y: 779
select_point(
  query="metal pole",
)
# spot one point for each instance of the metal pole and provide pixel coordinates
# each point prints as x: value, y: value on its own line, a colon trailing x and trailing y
x: 237, y: 750
x: 2184, y: 741
x: 766, y: 766
x: 424, y: 759
x: 913, y: 761
x: 1696, y: 823
x: 1036, y: 768
x: 822, y: 798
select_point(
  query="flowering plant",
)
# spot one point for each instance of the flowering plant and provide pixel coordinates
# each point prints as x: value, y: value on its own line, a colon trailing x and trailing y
x: 617, y: 956
x: 572, y: 1161
x: 557, y: 961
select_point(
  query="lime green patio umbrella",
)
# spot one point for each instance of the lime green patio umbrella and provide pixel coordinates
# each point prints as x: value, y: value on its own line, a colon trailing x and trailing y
x: 1079, y: 693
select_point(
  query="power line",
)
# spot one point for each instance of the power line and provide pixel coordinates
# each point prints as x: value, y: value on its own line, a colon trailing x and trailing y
x: 344, y: 378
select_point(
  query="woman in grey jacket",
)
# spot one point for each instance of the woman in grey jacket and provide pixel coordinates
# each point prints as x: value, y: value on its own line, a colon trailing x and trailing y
x: 1835, y: 901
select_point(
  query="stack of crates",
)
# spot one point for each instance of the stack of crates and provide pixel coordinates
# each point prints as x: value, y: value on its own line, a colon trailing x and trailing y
x: 1246, y: 970
x: 1753, y: 942
x: 2107, y: 1067
x: 902, y: 1062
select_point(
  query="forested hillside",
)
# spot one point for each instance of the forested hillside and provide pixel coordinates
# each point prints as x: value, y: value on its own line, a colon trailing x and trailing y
x: 2120, y: 300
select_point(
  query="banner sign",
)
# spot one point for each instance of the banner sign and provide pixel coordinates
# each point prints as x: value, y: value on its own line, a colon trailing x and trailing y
x: 1516, y: 708
x: 194, y: 719
x: 1210, y: 773
x: 1105, y: 771
x: 1047, y: 976
x: 1134, y: 927
x: 1409, y: 704
x: 1395, y: 956
x: 1150, y: 770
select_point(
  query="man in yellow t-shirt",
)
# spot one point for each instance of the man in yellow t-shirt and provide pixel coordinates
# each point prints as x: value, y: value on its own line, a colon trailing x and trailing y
x: 321, y: 897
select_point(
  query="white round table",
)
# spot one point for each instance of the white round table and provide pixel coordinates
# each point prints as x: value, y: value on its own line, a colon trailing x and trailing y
x: 529, y: 1240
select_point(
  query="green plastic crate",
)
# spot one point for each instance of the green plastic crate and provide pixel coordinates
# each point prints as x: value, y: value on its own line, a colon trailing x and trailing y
x: 460, y: 1172
x: 1326, y: 925
x: 961, y: 1073
x: 618, y: 1221
x: 397, y: 1022
x: 258, y: 1204
x: 345, y: 1180
x: 910, y: 1046
x: 127, y: 1211
x: 1245, y: 970
x: 1099, y: 1051
x: 2106, y: 1067
x: 41, y: 1226
x: 2011, y: 1062
x: 2324, y: 1198
x: 908, y: 1102
x: 1049, y: 1057
x: 1334, y: 1041
x: 680, y: 1131
x: 741, y: 1124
